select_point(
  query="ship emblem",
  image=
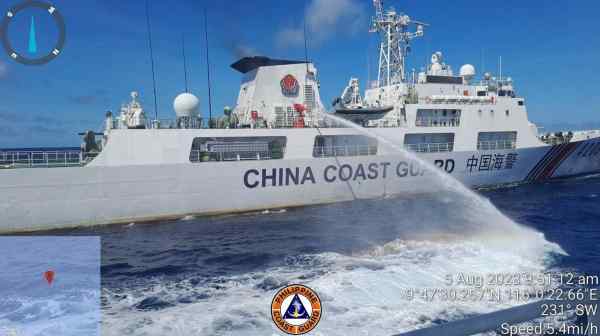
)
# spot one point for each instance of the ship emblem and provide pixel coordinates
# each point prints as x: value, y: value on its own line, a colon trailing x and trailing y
x: 289, y: 86
x: 296, y: 309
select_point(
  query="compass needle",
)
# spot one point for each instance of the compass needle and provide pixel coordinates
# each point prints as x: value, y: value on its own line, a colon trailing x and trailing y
x: 32, y: 38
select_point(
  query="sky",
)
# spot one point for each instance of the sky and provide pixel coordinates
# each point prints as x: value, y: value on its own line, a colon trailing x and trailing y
x: 547, y: 47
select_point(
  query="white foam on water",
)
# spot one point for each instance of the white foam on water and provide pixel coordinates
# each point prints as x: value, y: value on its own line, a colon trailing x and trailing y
x: 68, y: 313
x: 363, y: 294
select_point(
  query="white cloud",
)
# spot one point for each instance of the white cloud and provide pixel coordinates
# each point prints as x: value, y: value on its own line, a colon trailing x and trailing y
x: 325, y: 19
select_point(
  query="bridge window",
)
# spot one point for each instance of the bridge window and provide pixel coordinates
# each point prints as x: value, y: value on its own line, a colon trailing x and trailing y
x: 496, y: 140
x: 237, y: 148
x: 506, y: 93
x: 438, y: 118
x: 429, y: 142
x: 344, y: 145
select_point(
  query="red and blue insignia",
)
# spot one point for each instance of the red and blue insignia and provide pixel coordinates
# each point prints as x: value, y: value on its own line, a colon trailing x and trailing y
x: 289, y: 86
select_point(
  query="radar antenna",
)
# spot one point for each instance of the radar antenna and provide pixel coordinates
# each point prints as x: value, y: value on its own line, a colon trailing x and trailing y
x: 393, y: 29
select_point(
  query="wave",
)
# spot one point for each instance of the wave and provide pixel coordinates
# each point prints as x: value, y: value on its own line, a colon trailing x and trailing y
x: 71, y: 312
x: 365, y: 291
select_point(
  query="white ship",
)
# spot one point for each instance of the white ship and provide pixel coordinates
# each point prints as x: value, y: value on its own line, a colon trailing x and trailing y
x: 279, y: 147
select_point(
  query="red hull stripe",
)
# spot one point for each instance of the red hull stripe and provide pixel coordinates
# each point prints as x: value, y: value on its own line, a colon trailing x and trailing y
x: 550, y: 162
x: 570, y: 148
x: 542, y: 163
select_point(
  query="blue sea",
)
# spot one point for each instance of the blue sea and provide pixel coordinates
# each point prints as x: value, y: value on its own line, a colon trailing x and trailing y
x: 218, y: 275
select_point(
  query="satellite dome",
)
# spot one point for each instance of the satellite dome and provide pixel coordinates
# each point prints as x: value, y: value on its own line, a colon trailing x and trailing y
x: 186, y: 105
x: 467, y: 71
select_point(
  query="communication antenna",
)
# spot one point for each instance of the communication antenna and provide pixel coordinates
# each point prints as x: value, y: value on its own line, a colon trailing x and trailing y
x: 395, y: 37
x: 482, y: 60
x: 369, y: 65
x: 305, y: 46
x: 184, y: 62
x: 500, y: 67
x: 208, y: 69
x: 368, y: 60
x: 151, y: 59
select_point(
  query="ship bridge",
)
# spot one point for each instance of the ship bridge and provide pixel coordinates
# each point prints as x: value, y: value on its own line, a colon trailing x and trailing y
x: 277, y: 93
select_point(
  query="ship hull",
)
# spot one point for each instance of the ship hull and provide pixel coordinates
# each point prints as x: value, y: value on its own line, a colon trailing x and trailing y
x: 51, y: 198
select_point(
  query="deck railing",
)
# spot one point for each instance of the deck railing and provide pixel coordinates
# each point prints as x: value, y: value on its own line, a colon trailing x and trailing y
x: 206, y: 156
x: 496, y: 145
x: 349, y: 150
x: 116, y: 123
x: 438, y: 122
x: 430, y: 147
x: 44, y: 159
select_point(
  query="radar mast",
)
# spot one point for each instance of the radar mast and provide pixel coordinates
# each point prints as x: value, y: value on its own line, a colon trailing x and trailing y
x: 393, y: 29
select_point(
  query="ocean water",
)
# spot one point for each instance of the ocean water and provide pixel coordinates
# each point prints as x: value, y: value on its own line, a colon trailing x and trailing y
x: 218, y: 275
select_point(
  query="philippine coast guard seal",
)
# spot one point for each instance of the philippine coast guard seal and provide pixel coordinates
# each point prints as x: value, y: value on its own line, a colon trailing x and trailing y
x: 296, y: 309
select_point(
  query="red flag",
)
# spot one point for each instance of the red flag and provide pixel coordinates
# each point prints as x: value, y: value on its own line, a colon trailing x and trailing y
x: 49, y: 275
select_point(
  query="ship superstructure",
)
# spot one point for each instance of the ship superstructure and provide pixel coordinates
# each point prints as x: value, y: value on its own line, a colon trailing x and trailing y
x: 280, y: 147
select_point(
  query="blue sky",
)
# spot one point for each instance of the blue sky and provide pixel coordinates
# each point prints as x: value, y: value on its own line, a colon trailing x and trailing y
x: 549, y: 48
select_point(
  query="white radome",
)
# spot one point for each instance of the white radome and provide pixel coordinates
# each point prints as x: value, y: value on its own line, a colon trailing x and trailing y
x: 467, y: 71
x: 186, y: 105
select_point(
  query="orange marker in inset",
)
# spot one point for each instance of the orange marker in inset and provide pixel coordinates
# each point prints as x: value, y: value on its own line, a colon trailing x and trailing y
x: 49, y: 275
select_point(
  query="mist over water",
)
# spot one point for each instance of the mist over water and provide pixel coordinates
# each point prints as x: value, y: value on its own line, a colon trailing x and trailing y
x: 218, y: 275
x: 466, y: 212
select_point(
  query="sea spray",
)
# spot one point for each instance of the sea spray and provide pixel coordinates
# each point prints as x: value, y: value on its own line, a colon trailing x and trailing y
x: 372, y: 262
x: 471, y: 212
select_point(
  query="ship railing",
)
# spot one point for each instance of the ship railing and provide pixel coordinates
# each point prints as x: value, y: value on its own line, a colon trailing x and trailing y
x: 496, y: 145
x: 174, y: 123
x: 44, y: 159
x: 117, y: 123
x: 205, y: 156
x: 430, y: 147
x: 460, y: 100
x: 348, y: 150
x: 438, y: 122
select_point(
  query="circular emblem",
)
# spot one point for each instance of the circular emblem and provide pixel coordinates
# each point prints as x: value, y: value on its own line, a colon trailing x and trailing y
x: 26, y: 26
x: 296, y: 309
x: 289, y: 86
